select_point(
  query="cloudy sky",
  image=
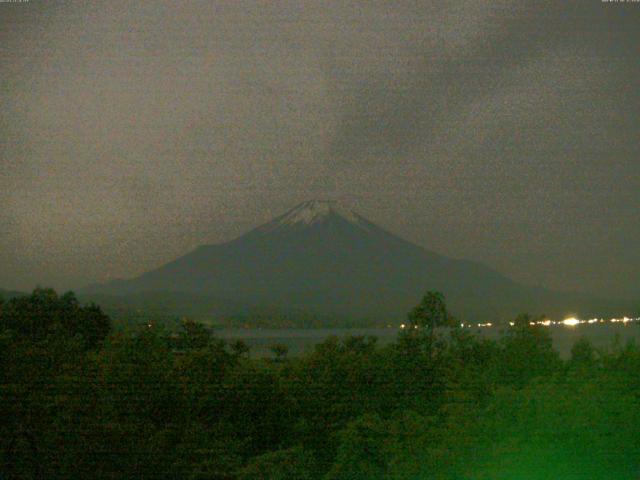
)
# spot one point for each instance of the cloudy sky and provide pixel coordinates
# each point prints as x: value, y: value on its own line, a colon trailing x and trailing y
x: 501, y: 131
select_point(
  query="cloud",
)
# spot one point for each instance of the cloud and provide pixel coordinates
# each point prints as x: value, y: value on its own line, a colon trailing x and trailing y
x: 135, y: 131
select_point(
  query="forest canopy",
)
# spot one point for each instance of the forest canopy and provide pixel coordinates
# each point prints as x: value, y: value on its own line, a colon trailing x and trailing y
x: 80, y: 402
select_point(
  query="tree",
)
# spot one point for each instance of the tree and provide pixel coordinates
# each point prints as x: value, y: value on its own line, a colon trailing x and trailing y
x: 280, y: 465
x: 194, y: 335
x: 280, y: 351
x: 47, y: 378
x: 44, y: 313
x: 240, y: 348
x: 431, y: 313
x: 583, y: 354
x: 362, y: 450
x: 527, y: 352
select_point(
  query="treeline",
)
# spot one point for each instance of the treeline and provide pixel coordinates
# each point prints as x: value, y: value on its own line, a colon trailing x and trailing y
x: 77, y: 401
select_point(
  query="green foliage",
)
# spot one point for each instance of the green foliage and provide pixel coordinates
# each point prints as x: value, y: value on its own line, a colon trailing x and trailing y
x: 361, y: 454
x: 158, y: 404
x: 527, y: 352
x: 583, y: 354
x: 431, y: 313
x: 240, y: 348
x: 285, y: 464
x: 45, y: 313
x: 280, y: 351
x: 193, y: 335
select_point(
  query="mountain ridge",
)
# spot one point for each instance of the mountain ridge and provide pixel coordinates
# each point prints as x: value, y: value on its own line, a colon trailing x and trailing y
x: 326, y: 259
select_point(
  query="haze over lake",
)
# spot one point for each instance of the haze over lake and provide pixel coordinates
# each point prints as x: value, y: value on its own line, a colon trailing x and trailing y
x: 301, y: 341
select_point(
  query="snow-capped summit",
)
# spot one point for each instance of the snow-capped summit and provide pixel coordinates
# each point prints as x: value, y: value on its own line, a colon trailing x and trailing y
x: 313, y: 211
x: 323, y: 259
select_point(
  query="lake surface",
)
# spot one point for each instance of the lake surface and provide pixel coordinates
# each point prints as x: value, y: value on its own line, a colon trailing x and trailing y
x: 302, y: 341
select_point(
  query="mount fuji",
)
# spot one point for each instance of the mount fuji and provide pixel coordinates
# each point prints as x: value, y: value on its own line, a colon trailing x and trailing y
x: 327, y: 260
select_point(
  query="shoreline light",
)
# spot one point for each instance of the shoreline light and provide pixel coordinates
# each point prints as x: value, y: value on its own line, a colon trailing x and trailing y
x: 568, y: 322
x: 572, y: 321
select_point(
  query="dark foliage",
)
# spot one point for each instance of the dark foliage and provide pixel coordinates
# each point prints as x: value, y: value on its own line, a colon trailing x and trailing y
x: 437, y: 404
x: 44, y: 313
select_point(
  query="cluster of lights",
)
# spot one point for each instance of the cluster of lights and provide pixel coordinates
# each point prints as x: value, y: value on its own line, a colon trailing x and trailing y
x: 573, y: 321
x: 403, y: 326
x: 567, y: 322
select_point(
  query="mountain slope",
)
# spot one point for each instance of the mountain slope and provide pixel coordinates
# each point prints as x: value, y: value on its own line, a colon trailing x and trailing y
x: 322, y: 258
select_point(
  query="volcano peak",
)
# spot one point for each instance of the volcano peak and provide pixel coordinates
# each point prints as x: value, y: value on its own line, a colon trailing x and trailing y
x: 322, y: 258
x: 314, y: 211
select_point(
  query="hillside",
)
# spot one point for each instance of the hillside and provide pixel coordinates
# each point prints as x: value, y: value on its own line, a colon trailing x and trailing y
x: 326, y: 260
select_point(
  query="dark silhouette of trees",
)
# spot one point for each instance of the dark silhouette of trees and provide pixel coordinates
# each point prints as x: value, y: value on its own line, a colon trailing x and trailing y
x: 527, y: 352
x: 44, y: 313
x: 240, y: 348
x: 194, y: 335
x: 431, y: 313
x: 583, y: 355
x: 285, y: 464
x: 77, y: 403
x: 46, y: 380
x: 280, y: 351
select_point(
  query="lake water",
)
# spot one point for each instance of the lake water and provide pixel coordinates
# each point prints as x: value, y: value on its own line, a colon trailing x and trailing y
x: 302, y: 341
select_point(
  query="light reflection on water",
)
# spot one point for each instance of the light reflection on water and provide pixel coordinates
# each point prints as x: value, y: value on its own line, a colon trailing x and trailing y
x: 301, y: 340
